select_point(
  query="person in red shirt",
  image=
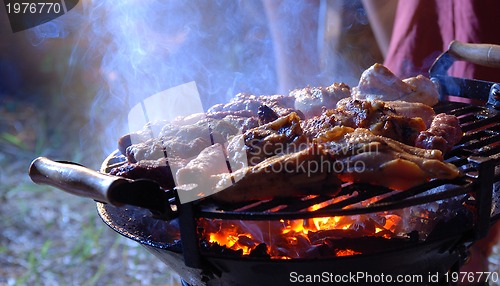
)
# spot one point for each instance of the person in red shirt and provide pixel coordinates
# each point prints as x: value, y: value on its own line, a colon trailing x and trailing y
x: 419, y: 31
x: 422, y: 29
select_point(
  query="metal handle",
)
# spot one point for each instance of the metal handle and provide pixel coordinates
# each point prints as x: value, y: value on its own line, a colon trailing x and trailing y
x: 76, y: 179
x: 482, y: 54
x: 81, y: 181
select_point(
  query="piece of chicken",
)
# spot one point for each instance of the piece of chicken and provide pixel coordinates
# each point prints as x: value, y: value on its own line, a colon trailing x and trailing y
x: 313, y: 100
x: 443, y: 134
x: 341, y: 154
x: 399, y: 121
x: 378, y: 82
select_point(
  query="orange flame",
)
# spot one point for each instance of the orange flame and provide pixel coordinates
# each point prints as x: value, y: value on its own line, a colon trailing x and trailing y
x: 297, y: 238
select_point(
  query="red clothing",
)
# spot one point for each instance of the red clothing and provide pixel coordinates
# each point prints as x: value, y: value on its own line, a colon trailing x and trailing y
x: 423, y: 29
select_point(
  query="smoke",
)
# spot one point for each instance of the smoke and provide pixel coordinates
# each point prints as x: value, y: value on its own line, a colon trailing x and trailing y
x: 136, y: 49
x: 50, y: 30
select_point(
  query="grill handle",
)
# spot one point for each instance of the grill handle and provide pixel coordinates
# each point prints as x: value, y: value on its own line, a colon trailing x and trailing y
x: 482, y: 54
x: 76, y: 179
x: 118, y: 191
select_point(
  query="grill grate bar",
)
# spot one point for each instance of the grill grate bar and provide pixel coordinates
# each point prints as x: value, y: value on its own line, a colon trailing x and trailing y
x: 303, y: 204
x: 423, y: 188
x: 475, y: 144
x: 366, y: 192
x: 479, y: 123
x: 327, y: 211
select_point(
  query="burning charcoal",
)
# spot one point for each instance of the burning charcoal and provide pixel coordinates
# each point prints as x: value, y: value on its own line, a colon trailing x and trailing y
x: 369, y: 244
x: 302, y: 242
x: 318, y: 251
x: 215, y: 248
x: 346, y: 252
x: 318, y: 236
x: 244, y: 240
x: 260, y: 251
x: 209, y: 226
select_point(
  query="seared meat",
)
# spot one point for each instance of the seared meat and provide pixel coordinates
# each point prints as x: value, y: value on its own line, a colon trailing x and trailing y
x: 378, y: 82
x: 157, y: 170
x: 443, y: 134
x: 317, y: 124
x: 412, y: 110
x: 312, y: 100
x: 373, y: 115
x: 384, y: 161
x: 341, y: 154
x: 247, y: 105
x: 281, y: 136
x: 266, y: 115
x: 279, y: 176
x: 182, y: 141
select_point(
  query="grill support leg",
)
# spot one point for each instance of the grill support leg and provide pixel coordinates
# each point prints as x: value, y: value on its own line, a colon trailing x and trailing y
x: 189, y: 237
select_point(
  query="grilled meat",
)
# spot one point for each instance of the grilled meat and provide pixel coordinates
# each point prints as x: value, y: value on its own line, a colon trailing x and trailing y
x: 182, y: 141
x: 313, y: 100
x: 443, y: 134
x: 266, y: 115
x: 159, y: 170
x: 261, y: 147
x: 279, y: 176
x: 247, y: 105
x: 283, y: 135
x: 339, y: 155
x: 412, y: 110
x: 378, y: 82
x: 378, y: 116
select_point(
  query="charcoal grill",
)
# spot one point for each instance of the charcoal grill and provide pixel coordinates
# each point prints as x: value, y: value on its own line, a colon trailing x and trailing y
x: 178, y: 244
x: 444, y: 249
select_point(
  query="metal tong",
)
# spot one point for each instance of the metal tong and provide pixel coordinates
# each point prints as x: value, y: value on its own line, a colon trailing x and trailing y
x: 482, y: 54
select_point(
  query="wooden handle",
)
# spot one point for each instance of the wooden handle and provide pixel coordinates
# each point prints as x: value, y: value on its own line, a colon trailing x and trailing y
x: 482, y: 54
x: 75, y: 179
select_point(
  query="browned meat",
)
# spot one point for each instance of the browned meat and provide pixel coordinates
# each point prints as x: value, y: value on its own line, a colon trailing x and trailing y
x: 378, y: 82
x: 247, y: 105
x: 443, y: 134
x: 412, y: 110
x: 373, y: 115
x: 317, y: 124
x: 266, y: 115
x: 158, y: 170
x: 280, y: 176
x: 341, y: 154
x: 312, y: 100
x: 281, y: 136
x: 182, y: 141
x: 261, y: 147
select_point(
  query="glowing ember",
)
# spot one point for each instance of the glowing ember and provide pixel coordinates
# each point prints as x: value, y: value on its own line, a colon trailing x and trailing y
x: 324, y: 236
x: 298, y: 238
x: 347, y: 252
